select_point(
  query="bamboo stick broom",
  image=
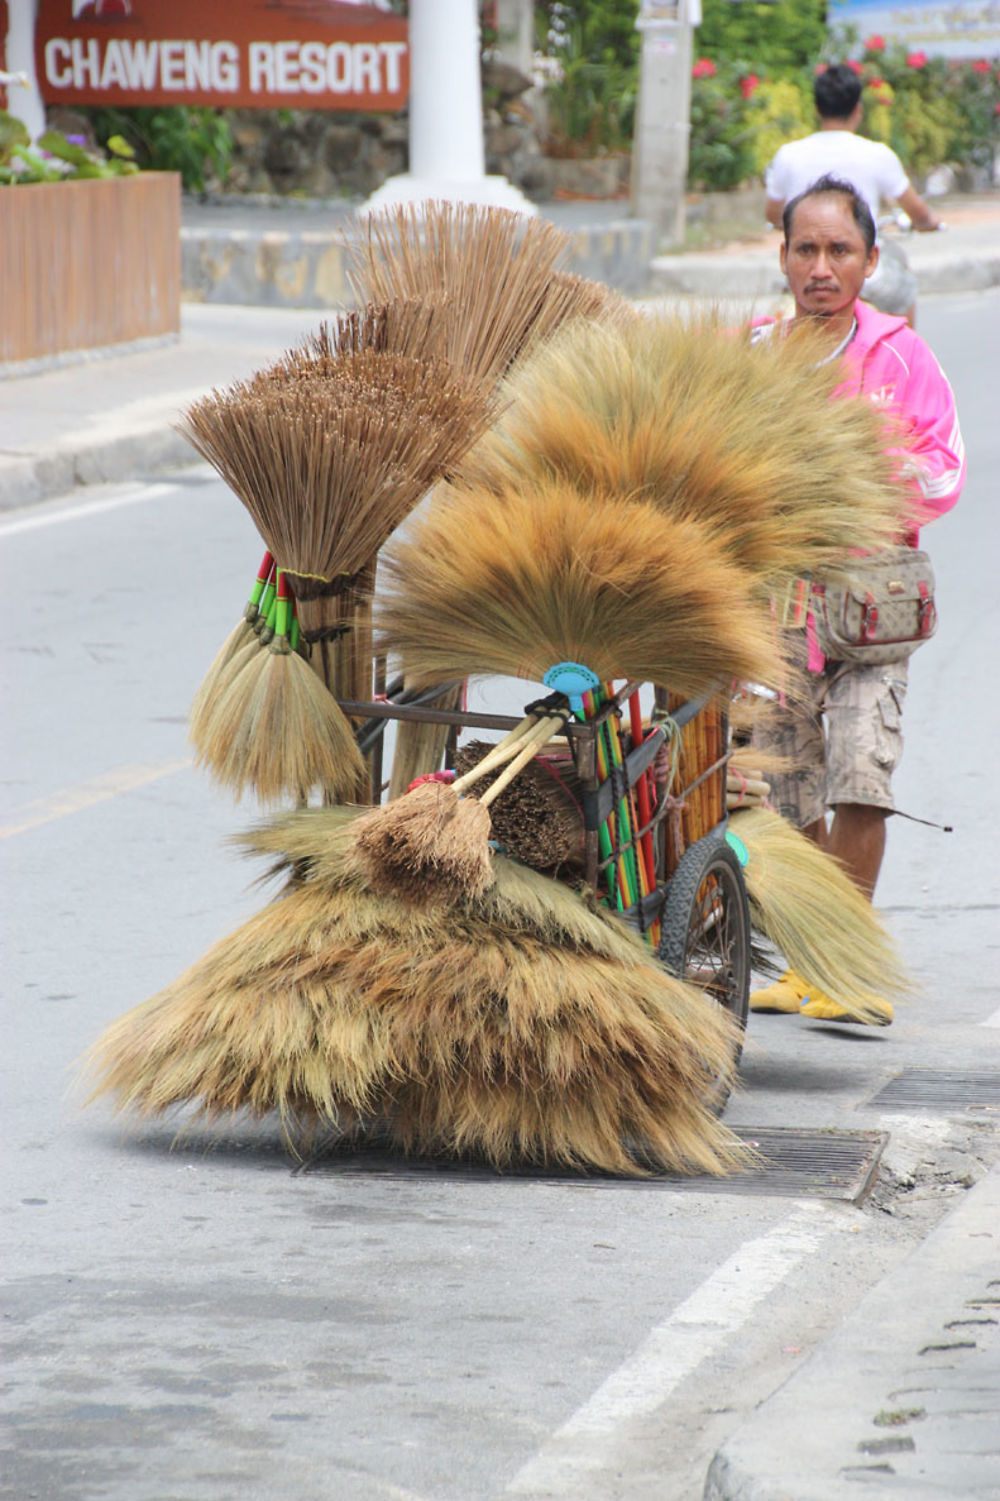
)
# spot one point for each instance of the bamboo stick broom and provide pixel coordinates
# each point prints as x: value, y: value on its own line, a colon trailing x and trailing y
x: 521, y: 1026
x: 327, y: 467
x: 494, y: 267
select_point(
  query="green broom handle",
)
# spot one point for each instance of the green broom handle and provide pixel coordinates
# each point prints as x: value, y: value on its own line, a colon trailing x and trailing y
x: 259, y: 585
x: 283, y: 610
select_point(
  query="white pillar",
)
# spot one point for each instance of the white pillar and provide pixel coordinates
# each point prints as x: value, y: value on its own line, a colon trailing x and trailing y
x: 446, y: 115
x: 662, y: 117
x: 23, y: 100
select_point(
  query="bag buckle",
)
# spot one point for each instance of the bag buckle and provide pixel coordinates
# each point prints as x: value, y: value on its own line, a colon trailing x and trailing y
x: 869, y: 619
x: 926, y: 613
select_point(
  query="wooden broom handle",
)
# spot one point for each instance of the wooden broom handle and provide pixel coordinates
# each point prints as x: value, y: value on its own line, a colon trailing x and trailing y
x: 532, y: 745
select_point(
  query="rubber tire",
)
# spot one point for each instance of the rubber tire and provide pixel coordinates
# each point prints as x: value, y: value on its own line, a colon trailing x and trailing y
x: 710, y: 856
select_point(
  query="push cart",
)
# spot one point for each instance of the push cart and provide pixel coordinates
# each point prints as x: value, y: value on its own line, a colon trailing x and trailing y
x: 695, y: 913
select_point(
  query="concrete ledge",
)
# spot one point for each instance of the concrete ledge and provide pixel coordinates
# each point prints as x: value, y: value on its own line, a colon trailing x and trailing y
x: 308, y: 269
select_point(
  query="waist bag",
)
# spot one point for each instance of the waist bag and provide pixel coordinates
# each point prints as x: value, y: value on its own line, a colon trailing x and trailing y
x: 883, y: 609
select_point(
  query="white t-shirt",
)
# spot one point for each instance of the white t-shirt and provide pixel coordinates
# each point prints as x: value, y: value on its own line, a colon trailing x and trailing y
x: 872, y: 169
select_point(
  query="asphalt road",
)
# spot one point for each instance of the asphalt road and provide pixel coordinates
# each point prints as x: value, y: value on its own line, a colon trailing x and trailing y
x: 186, y: 1324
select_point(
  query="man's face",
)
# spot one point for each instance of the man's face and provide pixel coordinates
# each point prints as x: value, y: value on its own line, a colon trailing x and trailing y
x: 826, y: 259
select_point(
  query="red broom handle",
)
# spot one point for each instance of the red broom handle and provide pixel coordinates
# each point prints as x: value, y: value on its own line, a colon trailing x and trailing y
x: 642, y: 792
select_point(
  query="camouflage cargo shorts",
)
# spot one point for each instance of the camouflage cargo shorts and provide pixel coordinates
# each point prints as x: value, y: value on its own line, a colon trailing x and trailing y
x: 843, y: 737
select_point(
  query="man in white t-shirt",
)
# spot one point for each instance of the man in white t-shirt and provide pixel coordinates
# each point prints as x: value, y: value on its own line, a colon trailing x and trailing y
x: 872, y: 169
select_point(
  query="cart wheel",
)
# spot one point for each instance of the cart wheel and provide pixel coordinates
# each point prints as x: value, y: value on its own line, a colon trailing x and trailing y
x: 706, y: 931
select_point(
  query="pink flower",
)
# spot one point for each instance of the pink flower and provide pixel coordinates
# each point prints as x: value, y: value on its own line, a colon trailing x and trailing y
x: 874, y: 44
x: 916, y: 60
x: 854, y: 65
x: 982, y: 66
x: 749, y: 85
x: 996, y: 109
x: 704, y: 68
x: 820, y: 68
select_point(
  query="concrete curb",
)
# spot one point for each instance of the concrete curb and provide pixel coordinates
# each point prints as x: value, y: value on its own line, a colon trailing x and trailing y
x: 84, y: 459
x: 903, y: 1398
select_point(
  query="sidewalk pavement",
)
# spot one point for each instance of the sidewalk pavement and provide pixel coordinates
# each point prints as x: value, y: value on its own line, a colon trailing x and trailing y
x: 109, y: 416
x: 904, y: 1397
x: 903, y: 1400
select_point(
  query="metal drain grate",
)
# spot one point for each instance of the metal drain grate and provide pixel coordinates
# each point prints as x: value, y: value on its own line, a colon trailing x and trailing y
x: 972, y: 1090
x: 800, y: 1164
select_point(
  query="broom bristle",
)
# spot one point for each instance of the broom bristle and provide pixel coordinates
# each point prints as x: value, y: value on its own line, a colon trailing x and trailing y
x: 328, y: 466
x: 513, y: 584
x: 493, y: 266
x: 695, y: 420
x: 455, y: 1034
x: 277, y: 731
x: 216, y: 678
x: 809, y: 908
x: 538, y: 818
x: 427, y: 841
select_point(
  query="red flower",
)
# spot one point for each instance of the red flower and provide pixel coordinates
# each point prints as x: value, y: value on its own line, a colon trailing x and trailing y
x: 874, y: 44
x: 749, y: 85
x: 704, y: 68
x: 916, y: 60
x: 854, y: 65
x: 820, y: 68
x: 875, y: 83
x: 982, y: 66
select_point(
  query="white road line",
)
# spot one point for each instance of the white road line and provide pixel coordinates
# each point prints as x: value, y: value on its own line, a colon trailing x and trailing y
x: 674, y: 1349
x: 86, y: 794
x: 992, y: 1021
x: 82, y: 510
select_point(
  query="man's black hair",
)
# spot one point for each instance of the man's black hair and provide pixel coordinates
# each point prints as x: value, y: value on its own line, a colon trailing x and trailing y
x: 836, y: 92
x: 860, y: 211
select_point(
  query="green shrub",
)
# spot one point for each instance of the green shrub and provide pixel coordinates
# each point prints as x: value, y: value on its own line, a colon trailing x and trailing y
x: 194, y: 141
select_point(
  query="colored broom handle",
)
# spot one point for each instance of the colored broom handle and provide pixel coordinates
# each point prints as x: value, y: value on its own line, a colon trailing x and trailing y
x: 283, y: 611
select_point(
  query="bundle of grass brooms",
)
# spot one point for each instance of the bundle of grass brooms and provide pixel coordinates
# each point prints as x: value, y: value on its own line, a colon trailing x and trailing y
x: 522, y: 1027
x: 460, y: 1000
x: 497, y: 274
x: 645, y: 490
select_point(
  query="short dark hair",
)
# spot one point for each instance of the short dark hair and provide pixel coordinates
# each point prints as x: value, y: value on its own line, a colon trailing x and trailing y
x: 860, y: 211
x: 836, y: 92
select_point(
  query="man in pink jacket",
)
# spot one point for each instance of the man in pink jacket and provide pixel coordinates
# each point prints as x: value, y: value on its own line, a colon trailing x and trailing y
x: 845, y: 742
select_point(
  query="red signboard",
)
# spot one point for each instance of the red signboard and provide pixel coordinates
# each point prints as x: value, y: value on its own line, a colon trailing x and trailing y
x: 258, y: 54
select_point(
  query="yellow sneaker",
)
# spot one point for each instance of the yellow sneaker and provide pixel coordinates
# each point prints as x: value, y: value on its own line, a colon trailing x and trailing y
x: 820, y: 1008
x: 785, y: 995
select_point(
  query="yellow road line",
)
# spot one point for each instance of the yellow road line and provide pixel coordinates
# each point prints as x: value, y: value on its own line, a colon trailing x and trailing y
x: 98, y: 790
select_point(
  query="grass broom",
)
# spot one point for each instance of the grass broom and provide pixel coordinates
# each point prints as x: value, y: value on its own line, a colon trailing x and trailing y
x: 700, y: 424
x: 808, y: 907
x: 520, y: 1029
x: 327, y: 467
